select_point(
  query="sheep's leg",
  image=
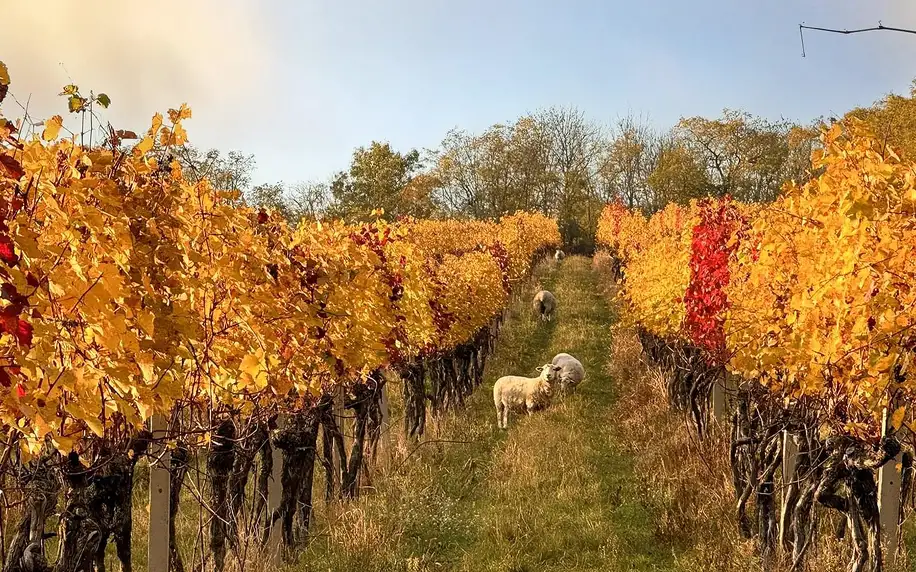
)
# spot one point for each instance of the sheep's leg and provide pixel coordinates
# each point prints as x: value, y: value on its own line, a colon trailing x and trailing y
x: 499, y: 416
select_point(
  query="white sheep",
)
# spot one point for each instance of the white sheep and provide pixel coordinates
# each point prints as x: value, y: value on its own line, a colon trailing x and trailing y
x: 559, y: 255
x: 571, y: 371
x: 529, y: 393
x: 545, y: 304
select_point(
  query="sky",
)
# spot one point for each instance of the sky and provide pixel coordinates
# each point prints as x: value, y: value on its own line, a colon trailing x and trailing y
x: 301, y: 83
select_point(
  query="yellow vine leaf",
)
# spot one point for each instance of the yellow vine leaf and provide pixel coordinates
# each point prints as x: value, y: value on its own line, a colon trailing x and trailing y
x: 52, y: 128
x: 144, y: 146
x: 254, y: 366
x: 897, y: 417
x: 94, y: 425
x: 75, y: 103
x: 145, y: 362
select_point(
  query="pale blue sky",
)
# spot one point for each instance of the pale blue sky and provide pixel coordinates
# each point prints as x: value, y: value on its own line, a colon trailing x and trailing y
x: 301, y: 83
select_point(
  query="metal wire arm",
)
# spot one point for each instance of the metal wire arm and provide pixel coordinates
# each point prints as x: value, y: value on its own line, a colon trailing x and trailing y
x: 879, y: 28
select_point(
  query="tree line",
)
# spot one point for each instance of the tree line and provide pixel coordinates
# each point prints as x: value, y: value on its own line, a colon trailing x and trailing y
x: 563, y: 164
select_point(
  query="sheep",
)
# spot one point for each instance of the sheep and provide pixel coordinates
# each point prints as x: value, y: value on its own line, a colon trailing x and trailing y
x: 545, y: 304
x: 571, y: 371
x: 516, y: 392
x: 559, y: 255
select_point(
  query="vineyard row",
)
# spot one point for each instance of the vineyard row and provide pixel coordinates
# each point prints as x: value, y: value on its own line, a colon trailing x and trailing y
x: 803, y: 310
x: 131, y: 293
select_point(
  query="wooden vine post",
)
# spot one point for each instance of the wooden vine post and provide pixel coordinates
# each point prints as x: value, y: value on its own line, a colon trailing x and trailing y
x: 789, y: 462
x: 385, y: 435
x: 889, y: 481
x: 718, y: 397
x: 340, y: 419
x: 159, y: 497
x: 274, y: 498
x: 723, y: 386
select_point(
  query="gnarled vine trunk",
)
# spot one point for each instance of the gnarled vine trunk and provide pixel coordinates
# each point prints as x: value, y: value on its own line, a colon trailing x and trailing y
x: 297, y: 442
x: 178, y: 471
x: 99, y: 502
x: 219, y: 468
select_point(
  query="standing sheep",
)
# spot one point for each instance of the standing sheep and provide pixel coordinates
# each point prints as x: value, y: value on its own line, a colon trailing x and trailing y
x: 545, y: 304
x: 529, y: 393
x: 571, y: 371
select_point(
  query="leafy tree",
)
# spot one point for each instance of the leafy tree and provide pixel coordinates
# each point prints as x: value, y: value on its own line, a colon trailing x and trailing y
x: 545, y: 162
x: 473, y: 170
x: 893, y: 119
x: 419, y: 193
x: 529, y: 154
x: 745, y: 156
x: 678, y: 176
x: 377, y: 178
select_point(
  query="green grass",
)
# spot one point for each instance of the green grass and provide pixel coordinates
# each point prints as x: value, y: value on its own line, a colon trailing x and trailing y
x: 553, y: 492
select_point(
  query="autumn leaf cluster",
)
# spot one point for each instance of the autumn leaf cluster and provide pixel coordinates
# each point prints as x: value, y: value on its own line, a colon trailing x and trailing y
x: 812, y: 295
x: 656, y: 252
x: 128, y: 289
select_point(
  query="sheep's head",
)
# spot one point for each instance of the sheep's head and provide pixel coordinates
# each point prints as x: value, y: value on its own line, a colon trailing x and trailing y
x: 549, y: 372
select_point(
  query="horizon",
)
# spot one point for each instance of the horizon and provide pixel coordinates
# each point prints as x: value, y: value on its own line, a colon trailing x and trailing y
x: 240, y: 67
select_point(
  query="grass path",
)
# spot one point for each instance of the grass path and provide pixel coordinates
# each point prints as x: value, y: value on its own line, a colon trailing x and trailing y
x: 553, y: 492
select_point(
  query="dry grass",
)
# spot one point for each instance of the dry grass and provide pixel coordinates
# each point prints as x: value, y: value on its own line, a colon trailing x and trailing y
x: 686, y: 481
x: 602, y: 263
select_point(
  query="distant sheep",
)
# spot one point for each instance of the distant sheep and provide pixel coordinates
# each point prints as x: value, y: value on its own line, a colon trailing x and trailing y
x: 559, y: 255
x: 545, y: 304
x: 523, y: 393
x: 571, y: 371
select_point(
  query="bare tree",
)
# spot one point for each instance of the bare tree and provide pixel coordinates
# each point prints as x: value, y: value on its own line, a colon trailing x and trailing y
x: 629, y: 158
x: 575, y: 148
x: 231, y: 171
x: 309, y: 200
